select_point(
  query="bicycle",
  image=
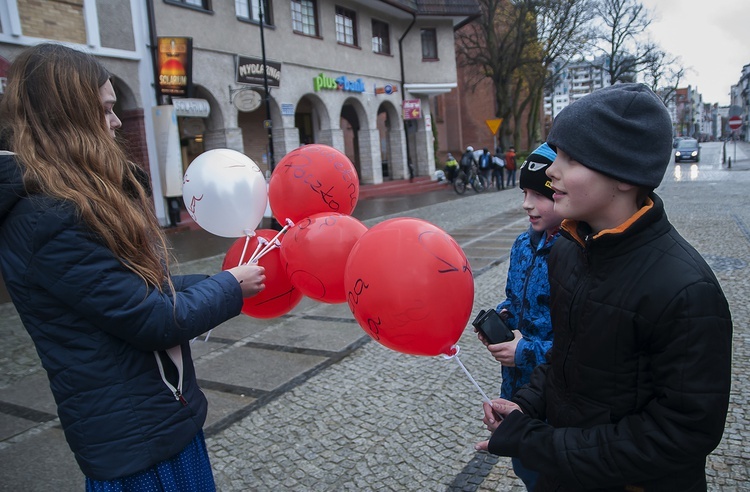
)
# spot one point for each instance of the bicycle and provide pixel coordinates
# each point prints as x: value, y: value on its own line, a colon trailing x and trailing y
x: 477, y: 181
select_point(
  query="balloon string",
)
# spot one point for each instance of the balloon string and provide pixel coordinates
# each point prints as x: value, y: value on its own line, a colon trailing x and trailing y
x: 262, y: 242
x: 276, y: 244
x: 273, y: 241
x: 244, y: 249
x: 468, y: 374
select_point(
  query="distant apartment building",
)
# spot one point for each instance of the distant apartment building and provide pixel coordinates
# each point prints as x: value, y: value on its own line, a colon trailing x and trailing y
x: 571, y: 82
x: 740, y: 103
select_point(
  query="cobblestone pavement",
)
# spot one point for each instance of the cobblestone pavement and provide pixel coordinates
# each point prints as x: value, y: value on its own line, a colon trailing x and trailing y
x: 369, y: 418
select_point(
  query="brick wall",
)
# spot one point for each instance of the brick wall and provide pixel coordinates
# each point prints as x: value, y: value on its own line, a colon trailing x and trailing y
x: 133, y: 137
x: 61, y: 20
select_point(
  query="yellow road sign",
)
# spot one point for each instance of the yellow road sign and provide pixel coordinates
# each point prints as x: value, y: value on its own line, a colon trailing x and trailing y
x: 494, y: 124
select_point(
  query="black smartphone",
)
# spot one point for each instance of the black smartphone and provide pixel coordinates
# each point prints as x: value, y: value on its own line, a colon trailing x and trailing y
x: 492, y: 327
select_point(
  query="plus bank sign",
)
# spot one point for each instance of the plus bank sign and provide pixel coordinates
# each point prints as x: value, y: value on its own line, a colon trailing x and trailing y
x: 341, y: 83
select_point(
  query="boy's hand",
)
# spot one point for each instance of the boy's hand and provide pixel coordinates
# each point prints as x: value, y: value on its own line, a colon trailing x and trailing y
x: 505, y: 353
x: 493, y: 417
x: 250, y: 277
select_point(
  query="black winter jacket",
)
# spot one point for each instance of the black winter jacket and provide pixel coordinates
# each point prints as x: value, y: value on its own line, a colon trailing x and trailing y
x: 96, y: 327
x: 636, y: 390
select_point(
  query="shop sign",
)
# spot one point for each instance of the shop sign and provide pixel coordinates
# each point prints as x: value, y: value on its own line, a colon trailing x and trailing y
x: 388, y: 89
x: 194, y: 108
x: 250, y: 71
x: 247, y: 100
x: 412, y: 109
x: 175, y: 60
x: 287, y: 109
x: 4, y: 65
x: 338, y: 84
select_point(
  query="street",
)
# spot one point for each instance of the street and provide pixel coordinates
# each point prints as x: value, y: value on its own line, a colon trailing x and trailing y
x: 309, y: 402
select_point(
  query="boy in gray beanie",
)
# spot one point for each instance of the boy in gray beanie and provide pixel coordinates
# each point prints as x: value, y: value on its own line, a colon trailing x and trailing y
x: 635, y: 391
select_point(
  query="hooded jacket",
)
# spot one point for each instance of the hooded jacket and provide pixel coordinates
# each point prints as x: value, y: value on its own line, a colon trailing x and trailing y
x: 96, y: 327
x: 636, y: 390
x: 527, y: 302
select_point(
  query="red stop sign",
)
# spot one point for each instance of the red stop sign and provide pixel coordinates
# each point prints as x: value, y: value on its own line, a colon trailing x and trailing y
x: 735, y: 122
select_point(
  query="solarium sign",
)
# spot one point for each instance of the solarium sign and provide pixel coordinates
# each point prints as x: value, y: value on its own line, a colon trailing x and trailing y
x: 321, y: 82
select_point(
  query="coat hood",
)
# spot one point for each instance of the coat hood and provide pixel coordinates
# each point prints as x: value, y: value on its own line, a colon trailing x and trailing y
x: 11, y: 184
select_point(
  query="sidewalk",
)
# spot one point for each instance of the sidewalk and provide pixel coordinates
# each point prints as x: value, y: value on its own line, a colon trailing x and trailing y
x: 308, y: 402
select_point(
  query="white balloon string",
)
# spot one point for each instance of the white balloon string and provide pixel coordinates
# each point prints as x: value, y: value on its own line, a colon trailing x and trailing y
x: 244, y: 249
x: 273, y: 241
x: 208, y: 334
x: 468, y: 374
x: 276, y: 244
x: 262, y: 242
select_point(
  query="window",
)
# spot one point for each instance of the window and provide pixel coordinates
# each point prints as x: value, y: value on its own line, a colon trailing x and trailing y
x: 305, y: 17
x: 381, y: 37
x: 346, y: 26
x: 429, y: 44
x: 201, y: 4
x: 250, y: 9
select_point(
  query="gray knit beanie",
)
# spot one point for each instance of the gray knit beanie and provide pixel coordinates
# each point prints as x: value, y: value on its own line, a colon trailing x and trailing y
x: 623, y: 131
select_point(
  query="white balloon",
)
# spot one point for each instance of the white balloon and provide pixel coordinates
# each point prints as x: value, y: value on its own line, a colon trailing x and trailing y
x: 225, y: 192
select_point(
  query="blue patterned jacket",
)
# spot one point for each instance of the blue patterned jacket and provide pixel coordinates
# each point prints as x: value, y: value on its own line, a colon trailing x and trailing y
x: 527, y: 302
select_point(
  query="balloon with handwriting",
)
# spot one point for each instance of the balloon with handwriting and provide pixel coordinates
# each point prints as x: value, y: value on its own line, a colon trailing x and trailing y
x: 280, y: 296
x: 314, y: 252
x: 225, y: 192
x: 310, y: 180
x: 410, y: 287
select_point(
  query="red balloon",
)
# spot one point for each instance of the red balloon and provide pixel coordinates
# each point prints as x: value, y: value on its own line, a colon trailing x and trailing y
x: 280, y: 296
x: 410, y: 287
x: 313, y: 179
x: 314, y: 252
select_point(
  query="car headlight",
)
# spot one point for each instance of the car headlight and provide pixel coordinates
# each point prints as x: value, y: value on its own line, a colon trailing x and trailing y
x: 677, y: 154
x: 695, y: 153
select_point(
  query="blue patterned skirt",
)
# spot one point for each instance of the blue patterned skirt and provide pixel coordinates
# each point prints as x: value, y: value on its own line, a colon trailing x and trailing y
x: 189, y: 471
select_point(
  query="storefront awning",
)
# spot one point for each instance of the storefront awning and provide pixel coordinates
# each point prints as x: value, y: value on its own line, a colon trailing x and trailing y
x: 430, y: 89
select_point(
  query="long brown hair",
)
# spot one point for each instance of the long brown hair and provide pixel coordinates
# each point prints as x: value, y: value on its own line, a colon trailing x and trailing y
x: 53, y: 118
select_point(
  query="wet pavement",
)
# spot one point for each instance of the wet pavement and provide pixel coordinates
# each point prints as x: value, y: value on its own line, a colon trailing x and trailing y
x: 308, y: 402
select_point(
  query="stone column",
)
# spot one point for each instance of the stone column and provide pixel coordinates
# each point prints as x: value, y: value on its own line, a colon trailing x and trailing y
x: 333, y: 138
x: 226, y: 138
x: 371, y: 171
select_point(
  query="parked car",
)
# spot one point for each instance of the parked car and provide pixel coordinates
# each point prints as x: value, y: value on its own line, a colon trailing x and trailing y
x: 687, y: 150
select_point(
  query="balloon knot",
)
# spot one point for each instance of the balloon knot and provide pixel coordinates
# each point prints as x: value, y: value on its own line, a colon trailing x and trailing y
x: 452, y: 352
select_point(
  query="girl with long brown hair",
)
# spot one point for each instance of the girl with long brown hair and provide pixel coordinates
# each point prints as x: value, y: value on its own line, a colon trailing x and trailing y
x: 86, y: 265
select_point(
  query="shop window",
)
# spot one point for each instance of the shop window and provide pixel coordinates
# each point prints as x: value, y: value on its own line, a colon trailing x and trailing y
x: 305, y: 17
x: 250, y: 10
x: 429, y: 44
x: 346, y: 26
x: 381, y: 37
x: 199, y: 4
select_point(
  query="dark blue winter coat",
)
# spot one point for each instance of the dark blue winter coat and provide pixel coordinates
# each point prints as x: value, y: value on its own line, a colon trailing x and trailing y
x: 527, y: 302
x: 96, y: 326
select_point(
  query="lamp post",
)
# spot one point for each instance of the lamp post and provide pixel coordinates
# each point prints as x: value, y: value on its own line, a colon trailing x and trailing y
x: 267, y: 123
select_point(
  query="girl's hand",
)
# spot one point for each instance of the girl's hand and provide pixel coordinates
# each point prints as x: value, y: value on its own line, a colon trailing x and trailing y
x: 250, y: 277
x: 505, y: 353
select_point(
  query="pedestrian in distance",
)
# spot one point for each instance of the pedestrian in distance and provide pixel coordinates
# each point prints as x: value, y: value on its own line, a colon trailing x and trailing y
x: 526, y: 307
x: 485, y: 165
x: 468, y: 159
x: 498, y: 164
x: 510, y: 167
x: 86, y: 265
x: 635, y: 392
x: 451, y: 167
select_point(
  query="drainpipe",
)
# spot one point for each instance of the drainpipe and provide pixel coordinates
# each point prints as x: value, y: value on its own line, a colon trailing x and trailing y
x: 403, y: 91
x: 153, y: 43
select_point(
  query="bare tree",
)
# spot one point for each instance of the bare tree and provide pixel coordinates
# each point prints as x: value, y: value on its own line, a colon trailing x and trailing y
x: 624, y: 21
x: 663, y: 73
x: 562, y: 31
x: 493, y: 47
x: 514, y: 43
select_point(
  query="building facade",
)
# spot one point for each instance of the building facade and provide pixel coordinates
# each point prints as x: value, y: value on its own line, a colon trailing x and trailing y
x: 338, y: 73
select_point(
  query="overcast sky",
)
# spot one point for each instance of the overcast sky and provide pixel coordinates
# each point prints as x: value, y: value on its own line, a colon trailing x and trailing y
x: 712, y: 37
